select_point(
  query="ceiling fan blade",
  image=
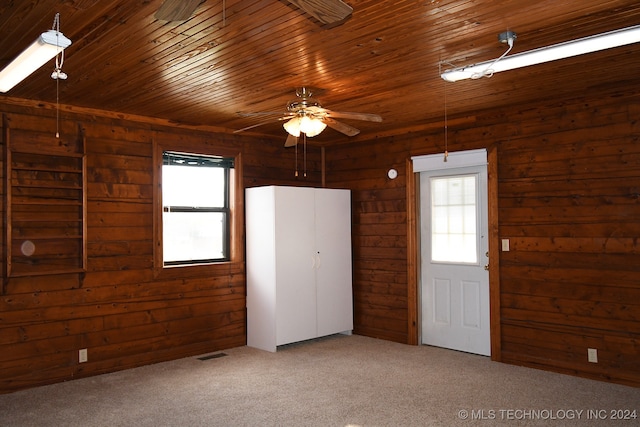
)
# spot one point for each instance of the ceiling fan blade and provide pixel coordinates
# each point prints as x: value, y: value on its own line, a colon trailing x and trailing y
x: 341, y: 127
x: 355, y: 116
x: 307, y: 108
x: 325, y: 11
x: 291, y: 141
x: 177, y: 10
x: 260, y: 113
x: 266, y: 122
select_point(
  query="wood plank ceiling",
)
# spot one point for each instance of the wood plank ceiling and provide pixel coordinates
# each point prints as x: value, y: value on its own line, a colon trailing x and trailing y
x: 236, y: 56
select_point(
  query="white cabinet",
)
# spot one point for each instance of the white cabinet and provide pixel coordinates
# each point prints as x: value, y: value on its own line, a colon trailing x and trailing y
x: 298, y: 264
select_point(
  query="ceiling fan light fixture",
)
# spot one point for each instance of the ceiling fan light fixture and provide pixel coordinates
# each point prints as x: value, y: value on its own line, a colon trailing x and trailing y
x: 311, y: 126
x: 292, y: 126
x: 621, y: 37
x: 307, y: 116
x: 48, y: 45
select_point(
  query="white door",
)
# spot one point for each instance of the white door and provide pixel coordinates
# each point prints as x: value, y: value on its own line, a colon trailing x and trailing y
x: 454, y: 280
x: 333, y: 261
x: 295, y: 278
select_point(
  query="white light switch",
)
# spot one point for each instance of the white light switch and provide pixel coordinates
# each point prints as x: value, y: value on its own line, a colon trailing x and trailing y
x: 505, y: 245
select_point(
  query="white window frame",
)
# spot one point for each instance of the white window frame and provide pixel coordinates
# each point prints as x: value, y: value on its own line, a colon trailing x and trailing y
x: 181, y: 159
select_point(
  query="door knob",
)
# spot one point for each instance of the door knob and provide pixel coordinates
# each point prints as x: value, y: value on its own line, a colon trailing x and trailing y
x: 486, y: 267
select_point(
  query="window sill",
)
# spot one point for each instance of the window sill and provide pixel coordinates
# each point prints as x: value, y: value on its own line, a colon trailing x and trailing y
x: 195, y: 270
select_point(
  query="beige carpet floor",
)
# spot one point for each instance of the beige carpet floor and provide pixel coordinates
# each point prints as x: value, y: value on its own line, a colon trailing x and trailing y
x: 335, y: 381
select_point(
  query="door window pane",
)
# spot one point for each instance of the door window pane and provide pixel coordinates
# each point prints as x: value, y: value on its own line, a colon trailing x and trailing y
x: 454, y: 219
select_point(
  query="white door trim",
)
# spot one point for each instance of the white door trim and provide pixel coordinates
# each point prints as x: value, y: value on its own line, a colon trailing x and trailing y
x: 456, y: 159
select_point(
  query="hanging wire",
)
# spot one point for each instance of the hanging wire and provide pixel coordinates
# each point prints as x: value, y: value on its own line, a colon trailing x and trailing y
x: 446, y: 126
x: 56, y: 22
x: 57, y: 108
x: 446, y: 142
x: 58, y: 74
x: 488, y: 72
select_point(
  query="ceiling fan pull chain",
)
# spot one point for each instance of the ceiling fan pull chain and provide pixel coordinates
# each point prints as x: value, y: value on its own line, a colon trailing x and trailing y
x: 296, y: 174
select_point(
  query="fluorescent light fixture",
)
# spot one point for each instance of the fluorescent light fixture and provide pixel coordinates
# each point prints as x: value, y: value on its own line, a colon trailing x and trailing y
x: 310, y: 126
x: 46, y: 47
x: 568, y: 49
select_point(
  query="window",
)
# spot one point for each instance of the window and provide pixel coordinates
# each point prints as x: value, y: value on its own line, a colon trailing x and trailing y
x: 195, y: 208
x: 453, y: 219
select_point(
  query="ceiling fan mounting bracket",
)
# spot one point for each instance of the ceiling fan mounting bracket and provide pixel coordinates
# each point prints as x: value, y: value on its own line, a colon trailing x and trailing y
x: 300, y: 106
x: 303, y: 92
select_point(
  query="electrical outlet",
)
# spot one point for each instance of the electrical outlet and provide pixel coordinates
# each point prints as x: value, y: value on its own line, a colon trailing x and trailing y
x: 505, y: 245
x: 592, y: 355
x: 82, y: 355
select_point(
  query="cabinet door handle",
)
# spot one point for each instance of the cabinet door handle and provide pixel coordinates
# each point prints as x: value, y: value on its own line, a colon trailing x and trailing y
x: 315, y: 261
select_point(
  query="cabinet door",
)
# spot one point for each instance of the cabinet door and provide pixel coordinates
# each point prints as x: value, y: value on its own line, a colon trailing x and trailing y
x: 261, y: 268
x: 295, y: 284
x: 333, y: 246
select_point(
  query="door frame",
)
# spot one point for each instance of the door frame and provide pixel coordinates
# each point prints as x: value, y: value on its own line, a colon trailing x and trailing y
x: 413, y: 253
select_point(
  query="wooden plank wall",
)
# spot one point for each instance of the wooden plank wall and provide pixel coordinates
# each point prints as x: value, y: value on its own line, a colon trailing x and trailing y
x: 568, y: 200
x: 119, y: 311
x: 379, y: 228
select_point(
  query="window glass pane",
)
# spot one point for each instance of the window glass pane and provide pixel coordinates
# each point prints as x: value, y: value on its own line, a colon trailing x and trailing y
x: 456, y: 220
x: 193, y: 186
x: 454, y: 191
x: 439, y: 193
x: 453, y: 219
x: 195, y: 206
x: 190, y: 236
x: 470, y: 220
x: 469, y: 184
x: 440, y: 220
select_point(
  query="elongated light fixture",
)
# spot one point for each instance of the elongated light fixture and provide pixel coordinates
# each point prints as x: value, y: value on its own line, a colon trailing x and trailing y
x: 568, y: 49
x: 48, y: 45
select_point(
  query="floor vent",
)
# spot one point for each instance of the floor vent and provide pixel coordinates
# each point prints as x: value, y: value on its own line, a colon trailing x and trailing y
x: 212, y: 356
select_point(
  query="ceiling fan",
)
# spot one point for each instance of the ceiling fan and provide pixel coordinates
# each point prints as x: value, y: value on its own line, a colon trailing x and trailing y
x: 177, y: 10
x: 326, y: 11
x: 305, y: 115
